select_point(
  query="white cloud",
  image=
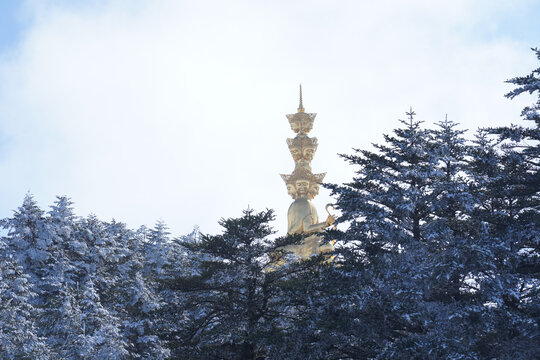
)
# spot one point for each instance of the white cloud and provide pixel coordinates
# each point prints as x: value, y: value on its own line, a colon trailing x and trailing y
x: 175, y: 110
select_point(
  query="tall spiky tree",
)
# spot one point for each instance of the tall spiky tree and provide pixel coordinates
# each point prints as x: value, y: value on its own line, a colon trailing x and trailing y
x: 18, y: 331
x: 28, y: 237
x: 393, y: 185
x: 229, y: 299
x: 389, y: 208
x: 506, y: 181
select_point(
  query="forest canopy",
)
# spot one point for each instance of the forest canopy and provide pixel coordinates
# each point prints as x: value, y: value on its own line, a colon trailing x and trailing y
x: 437, y: 257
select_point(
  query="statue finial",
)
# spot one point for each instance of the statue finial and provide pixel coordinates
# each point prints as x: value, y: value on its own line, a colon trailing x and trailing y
x: 301, y: 106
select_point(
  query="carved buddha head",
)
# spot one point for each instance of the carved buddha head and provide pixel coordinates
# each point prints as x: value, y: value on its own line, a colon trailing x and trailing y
x: 296, y: 153
x: 313, y: 190
x: 302, y: 187
x: 301, y: 122
x: 291, y: 190
x: 308, y: 153
x: 302, y: 147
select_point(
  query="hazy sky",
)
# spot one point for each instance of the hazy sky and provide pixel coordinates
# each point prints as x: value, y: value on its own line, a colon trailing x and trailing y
x: 175, y: 110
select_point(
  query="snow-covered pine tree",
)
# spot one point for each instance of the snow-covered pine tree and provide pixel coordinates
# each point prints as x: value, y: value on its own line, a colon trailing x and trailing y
x: 420, y: 293
x: 156, y: 255
x: 393, y: 183
x: 318, y: 301
x: 100, y: 336
x: 526, y: 140
x: 128, y: 293
x: 156, y: 249
x: 28, y: 237
x: 169, y: 317
x: 18, y: 333
x: 451, y: 196
x: 91, y: 299
x: 507, y: 182
x: 58, y: 288
x: 390, y: 210
x: 229, y: 298
x: 458, y: 254
x: 452, y: 206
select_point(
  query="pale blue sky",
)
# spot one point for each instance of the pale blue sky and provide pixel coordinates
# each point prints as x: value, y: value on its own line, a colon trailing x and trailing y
x: 11, y: 24
x: 518, y: 20
x: 142, y: 110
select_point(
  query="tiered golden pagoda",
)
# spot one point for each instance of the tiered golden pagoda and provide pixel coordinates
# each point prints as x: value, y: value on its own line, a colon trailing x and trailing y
x: 303, y: 186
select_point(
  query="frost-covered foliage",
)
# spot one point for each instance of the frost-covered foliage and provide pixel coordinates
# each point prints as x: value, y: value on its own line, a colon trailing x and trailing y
x: 73, y: 288
x: 441, y: 256
x: 229, y: 301
x: 439, y: 259
x: 18, y: 334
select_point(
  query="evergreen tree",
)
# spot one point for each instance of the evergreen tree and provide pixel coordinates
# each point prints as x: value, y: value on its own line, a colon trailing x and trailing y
x: 449, y: 243
x: 28, y: 237
x: 507, y: 184
x: 156, y: 249
x: 442, y: 245
x: 319, y: 303
x: 59, y: 320
x: 229, y: 299
x: 131, y: 294
x: 169, y: 317
x: 412, y: 247
x: 101, y: 336
x: 523, y: 139
x: 393, y: 183
x: 18, y: 333
x: 390, y: 207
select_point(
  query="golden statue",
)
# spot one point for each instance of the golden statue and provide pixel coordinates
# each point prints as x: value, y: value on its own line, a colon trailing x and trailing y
x: 303, y: 186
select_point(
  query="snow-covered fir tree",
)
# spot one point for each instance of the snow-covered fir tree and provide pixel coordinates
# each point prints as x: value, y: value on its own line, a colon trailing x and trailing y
x: 101, y: 336
x: 18, y: 331
x: 87, y: 294
x: 230, y: 299
x: 390, y: 207
x: 28, y: 237
x: 507, y: 185
x: 443, y: 244
x: 60, y: 318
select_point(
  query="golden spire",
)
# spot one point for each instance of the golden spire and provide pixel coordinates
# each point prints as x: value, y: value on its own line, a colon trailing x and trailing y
x: 303, y: 185
x: 301, y: 106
